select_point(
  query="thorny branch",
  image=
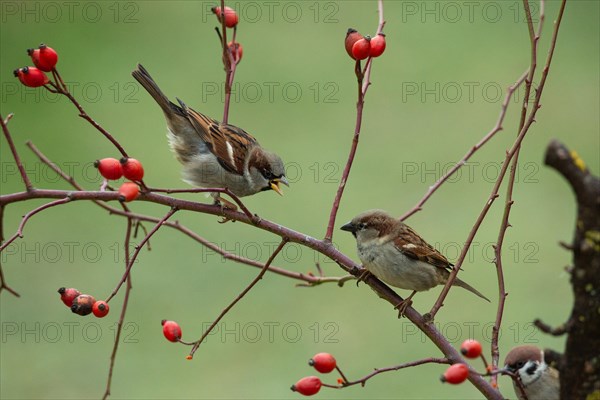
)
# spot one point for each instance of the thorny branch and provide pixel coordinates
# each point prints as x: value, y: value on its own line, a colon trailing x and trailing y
x: 509, y: 155
x: 534, y: 38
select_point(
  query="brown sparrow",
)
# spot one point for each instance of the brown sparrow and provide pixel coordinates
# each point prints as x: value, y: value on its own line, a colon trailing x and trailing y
x: 396, y: 254
x: 540, y: 381
x: 215, y: 155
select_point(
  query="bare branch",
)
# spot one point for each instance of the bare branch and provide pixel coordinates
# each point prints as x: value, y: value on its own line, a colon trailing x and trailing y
x: 138, y: 248
x: 113, y: 355
x: 61, y: 88
x: 509, y: 155
x: 262, y: 272
x: 497, y: 128
x: 363, y: 86
x: 26, y: 217
x: 533, y: 38
x: 13, y: 150
x: 362, y: 381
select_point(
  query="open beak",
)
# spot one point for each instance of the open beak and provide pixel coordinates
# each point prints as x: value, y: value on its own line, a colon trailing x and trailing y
x: 275, y: 184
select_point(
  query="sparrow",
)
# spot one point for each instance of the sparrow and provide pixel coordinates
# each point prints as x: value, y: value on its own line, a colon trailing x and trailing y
x: 215, y: 155
x: 540, y: 381
x: 397, y: 255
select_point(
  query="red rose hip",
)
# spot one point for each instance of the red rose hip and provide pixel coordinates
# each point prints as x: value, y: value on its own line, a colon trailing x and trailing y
x: 231, y: 17
x: 361, y: 48
x: 44, y: 57
x: 352, y: 36
x: 31, y: 76
x: 377, y: 45
x: 471, y: 348
x: 323, y: 362
x: 455, y: 374
x: 132, y: 169
x: 171, y: 330
x: 307, y: 386
x: 67, y: 295
x: 100, y: 309
x: 109, y: 168
x: 128, y: 191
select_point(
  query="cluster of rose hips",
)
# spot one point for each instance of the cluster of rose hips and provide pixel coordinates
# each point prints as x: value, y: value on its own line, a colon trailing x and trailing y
x: 83, y: 304
x: 458, y: 373
x: 44, y: 58
x: 130, y: 168
x: 360, y: 47
x: 322, y: 362
x: 231, y: 21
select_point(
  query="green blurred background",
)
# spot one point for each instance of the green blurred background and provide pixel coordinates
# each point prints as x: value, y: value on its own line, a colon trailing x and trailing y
x: 435, y: 92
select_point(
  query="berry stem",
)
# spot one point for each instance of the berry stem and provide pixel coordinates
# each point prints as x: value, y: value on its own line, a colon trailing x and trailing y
x: 341, y: 374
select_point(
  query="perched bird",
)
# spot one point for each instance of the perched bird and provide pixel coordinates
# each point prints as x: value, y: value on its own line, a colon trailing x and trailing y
x: 396, y: 254
x: 215, y: 155
x: 540, y: 381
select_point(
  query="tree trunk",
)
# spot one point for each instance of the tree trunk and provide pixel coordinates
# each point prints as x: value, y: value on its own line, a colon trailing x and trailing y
x: 580, y: 364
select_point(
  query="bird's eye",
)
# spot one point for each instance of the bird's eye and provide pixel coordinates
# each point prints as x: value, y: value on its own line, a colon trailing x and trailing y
x: 362, y: 225
x: 267, y: 174
x: 519, y: 364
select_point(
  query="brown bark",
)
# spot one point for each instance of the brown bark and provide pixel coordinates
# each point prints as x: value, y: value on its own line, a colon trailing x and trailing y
x: 580, y: 364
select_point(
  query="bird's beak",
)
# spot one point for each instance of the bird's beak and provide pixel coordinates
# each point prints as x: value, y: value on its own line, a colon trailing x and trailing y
x: 506, y: 370
x: 275, y: 184
x: 349, y: 227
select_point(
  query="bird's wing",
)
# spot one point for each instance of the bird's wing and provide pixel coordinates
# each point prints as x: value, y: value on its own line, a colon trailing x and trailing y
x: 412, y: 245
x: 228, y: 143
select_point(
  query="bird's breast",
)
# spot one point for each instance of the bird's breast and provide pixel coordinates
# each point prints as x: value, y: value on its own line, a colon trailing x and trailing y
x: 394, y: 268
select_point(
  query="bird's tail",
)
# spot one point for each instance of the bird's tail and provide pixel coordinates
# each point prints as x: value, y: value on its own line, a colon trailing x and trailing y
x: 465, y: 285
x: 144, y: 78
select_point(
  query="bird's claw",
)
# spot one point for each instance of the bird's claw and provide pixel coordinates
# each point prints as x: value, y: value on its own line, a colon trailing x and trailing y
x: 402, y: 306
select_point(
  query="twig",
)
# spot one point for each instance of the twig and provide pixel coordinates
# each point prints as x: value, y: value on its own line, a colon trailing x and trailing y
x: 530, y: 119
x: 3, y: 284
x: 61, y: 88
x: 228, y: 63
x: 363, y: 86
x: 362, y: 381
x: 262, y: 272
x: 113, y: 355
x: 26, y: 217
x: 558, y: 331
x: 497, y: 128
x: 14, y: 152
x: 534, y: 38
x: 138, y: 248
x: 325, y: 279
